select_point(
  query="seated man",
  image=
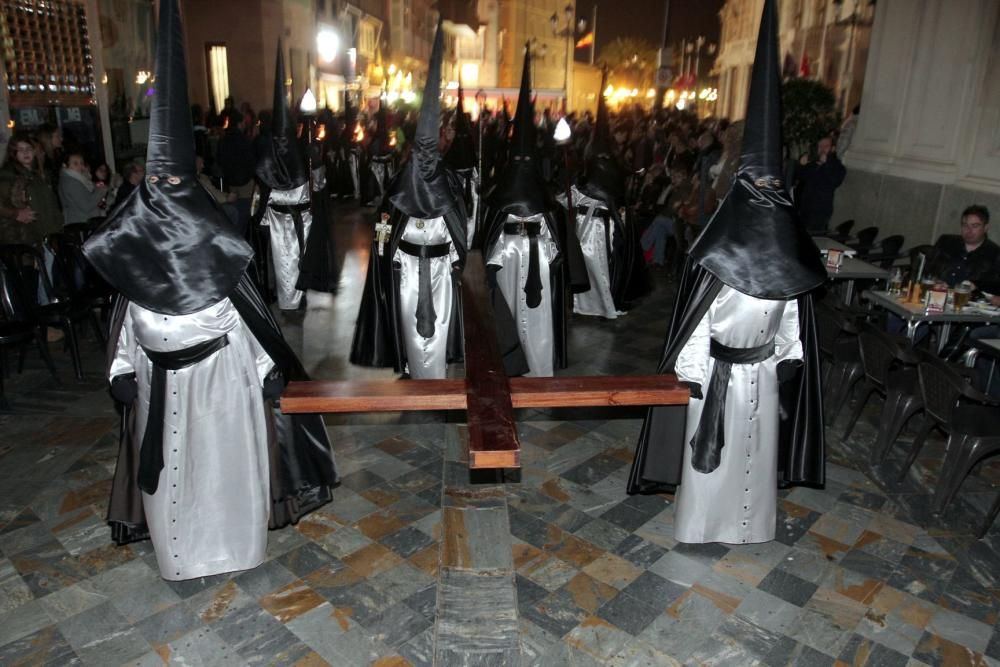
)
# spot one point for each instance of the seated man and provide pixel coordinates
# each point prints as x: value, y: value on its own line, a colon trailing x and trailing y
x: 969, y: 256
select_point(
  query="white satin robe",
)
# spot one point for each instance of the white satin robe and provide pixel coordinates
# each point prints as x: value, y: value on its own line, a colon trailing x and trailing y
x: 735, y: 503
x: 285, y: 250
x: 210, y: 511
x: 427, y: 358
x: 590, y: 229
x: 534, y: 325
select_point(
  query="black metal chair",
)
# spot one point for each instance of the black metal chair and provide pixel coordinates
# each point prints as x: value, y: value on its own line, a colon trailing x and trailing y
x: 73, y: 277
x: 890, y: 371
x: 15, y: 321
x: 838, y: 346
x: 887, y: 253
x: 865, y: 240
x: 12, y: 334
x: 842, y: 232
x: 24, y: 273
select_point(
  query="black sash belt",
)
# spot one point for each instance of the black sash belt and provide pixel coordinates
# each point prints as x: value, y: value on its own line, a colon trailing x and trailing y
x: 709, y: 438
x: 425, y: 304
x: 295, y: 210
x: 151, y: 452
x: 533, y: 285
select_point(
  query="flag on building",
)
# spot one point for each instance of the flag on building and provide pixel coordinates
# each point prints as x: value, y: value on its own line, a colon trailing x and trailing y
x: 586, y: 40
x: 804, y: 65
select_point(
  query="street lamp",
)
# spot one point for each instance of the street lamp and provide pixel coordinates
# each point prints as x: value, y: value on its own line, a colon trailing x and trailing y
x: 327, y: 44
x: 569, y: 33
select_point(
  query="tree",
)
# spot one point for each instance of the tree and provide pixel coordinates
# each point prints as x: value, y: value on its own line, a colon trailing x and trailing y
x: 630, y: 62
x: 809, y: 114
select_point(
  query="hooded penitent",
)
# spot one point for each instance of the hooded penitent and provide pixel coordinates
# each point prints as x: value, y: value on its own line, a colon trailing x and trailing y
x: 282, y: 166
x: 202, y: 470
x: 755, y: 245
x: 410, y: 314
x: 169, y: 247
x: 520, y: 189
x: 423, y: 187
x: 603, y: 177
x: 461, y: 154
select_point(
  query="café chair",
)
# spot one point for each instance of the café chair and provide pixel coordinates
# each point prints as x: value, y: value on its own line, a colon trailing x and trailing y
x: 841, y: 232
x: 15, y: 334
x: 20, y: 287
x: 838, y: 347
x: 889, y: 371
x: 887, y: 254
x: 865, y: 240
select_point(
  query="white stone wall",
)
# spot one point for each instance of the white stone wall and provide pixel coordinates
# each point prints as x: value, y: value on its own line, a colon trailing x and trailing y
x: 928, y: 139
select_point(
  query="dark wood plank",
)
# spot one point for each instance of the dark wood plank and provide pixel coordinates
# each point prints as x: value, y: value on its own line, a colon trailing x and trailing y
x: 597, y: 390
x: 417, y: 395
x: 493, y: 439
x: 373, y: 396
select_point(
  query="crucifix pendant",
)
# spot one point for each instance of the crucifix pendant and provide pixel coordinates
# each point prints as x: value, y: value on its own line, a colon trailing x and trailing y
x: 382, y: 230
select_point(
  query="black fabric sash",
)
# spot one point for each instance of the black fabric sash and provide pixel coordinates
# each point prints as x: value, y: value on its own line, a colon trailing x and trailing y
x: 295, y: 210
x: 425, y: 304
x: 596, y: 212
x: 151, y: 452
x: 709, y: 438
x: 533, y: 285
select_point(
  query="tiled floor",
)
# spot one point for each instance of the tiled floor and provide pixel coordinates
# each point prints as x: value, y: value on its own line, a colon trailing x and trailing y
x: 416, y: 563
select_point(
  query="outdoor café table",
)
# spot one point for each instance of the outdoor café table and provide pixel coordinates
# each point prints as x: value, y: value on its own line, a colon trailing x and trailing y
x: 825, y: 243
x: 851, y: 269
x: 914, y: 315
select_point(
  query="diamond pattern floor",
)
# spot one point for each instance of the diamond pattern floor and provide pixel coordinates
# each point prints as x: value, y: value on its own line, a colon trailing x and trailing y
x: 417, y: 563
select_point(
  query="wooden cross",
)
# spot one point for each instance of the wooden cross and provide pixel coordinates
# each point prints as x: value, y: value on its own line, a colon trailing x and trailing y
x: 486, y: 393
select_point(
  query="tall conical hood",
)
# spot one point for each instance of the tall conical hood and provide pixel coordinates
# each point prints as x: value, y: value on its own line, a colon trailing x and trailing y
x: 282, y: 166
x: 755, y: 242
x: 422, y: 187
x: 520, y: 189
x: 170, y: 147
x: 603, y: 177
x: 169, y: 247
x: 462, y: 152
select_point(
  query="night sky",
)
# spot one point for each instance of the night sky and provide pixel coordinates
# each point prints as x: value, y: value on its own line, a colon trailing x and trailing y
x: 644, y: 19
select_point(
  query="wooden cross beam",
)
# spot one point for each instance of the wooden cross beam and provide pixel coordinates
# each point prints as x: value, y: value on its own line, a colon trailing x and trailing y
x: 486, y: 393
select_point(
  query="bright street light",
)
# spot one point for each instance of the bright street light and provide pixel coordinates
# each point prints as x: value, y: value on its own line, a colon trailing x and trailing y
x: 308, y: 103
x: 563, y: 131
x: 327, y: 44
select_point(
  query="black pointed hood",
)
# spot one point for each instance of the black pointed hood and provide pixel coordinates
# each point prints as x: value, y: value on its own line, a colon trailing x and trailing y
x: 422, y: 188
x: 169, y: 247
x: 603, y: 177
x: 755, y: 242
x: 520, y: 189
x: 282, y: 166
x: 462, y: 152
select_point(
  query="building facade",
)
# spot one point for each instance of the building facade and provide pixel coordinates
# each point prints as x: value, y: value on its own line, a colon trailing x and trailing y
x: 826, y: 40
x: 927, y: 142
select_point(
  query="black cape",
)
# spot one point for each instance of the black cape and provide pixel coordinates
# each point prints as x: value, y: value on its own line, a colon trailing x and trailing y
x: 301, y: 465
x: 378, y: 339
x: 659, y: 454
x: 493, y: 222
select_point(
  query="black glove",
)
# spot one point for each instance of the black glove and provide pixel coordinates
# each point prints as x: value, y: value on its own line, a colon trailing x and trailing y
x: 124, y: 388
x: 695, y: 390
x: 788, y: 369
x: 274, y: 384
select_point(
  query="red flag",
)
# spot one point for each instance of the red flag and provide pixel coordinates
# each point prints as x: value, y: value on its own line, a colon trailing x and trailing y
x: 804, y: 66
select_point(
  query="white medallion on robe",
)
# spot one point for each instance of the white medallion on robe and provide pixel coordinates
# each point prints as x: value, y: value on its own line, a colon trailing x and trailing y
x: 427, y: 358
x: 736, y: 502
x: 286, y: 253
x: 534, y: 325
x: 210, y: 512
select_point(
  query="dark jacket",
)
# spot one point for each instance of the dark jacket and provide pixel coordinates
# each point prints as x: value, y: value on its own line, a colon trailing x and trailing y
x: 20, y: 187
x: 817, y: 183
x: 236, y: 158
x: 952, y: 263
